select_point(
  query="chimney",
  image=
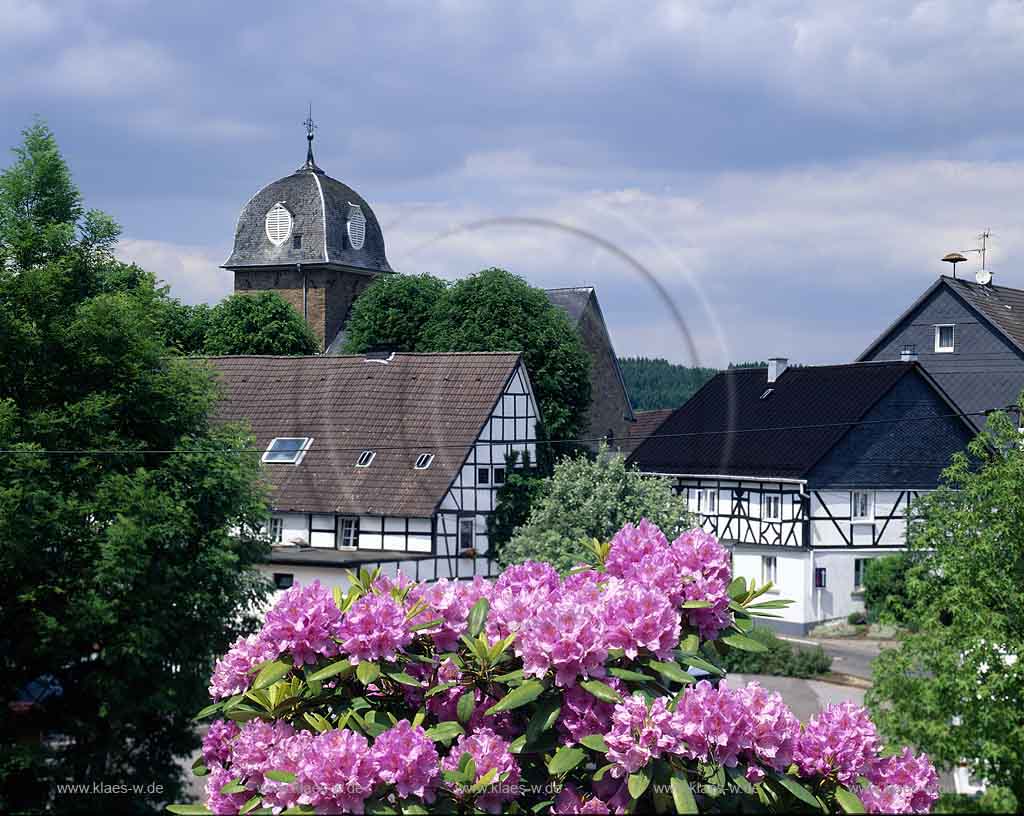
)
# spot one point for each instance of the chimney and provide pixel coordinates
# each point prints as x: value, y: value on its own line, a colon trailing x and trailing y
x: 909, y: 354
x: 776, y: 365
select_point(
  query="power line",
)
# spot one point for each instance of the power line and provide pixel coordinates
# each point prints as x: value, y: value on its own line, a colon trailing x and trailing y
x: 420, y: 446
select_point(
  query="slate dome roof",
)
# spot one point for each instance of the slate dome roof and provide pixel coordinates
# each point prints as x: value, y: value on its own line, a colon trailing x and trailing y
x: 321, y: 210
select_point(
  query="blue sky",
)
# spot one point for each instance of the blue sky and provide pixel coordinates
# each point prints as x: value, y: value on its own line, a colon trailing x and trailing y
x: 789, y: 171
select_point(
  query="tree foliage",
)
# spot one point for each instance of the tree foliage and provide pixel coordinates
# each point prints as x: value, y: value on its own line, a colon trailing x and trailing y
x: 655, y: 383
x: 955, y: 685
x: 263, y: 323
x: 523, y: 487
x: 117, y: 503
x: 886, y: 595
x: 591, y: 497
x: 492, y: 310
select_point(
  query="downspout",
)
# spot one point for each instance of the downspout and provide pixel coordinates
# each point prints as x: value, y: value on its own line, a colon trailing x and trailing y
x: 305, y: 299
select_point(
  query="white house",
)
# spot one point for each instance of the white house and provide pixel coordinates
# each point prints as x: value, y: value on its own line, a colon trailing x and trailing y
x: 806, y: 473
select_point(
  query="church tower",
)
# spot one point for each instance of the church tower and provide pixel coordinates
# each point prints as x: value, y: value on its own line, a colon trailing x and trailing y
x: 313, y: 240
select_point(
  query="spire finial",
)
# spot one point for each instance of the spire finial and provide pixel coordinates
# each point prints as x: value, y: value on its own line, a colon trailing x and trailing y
x: 311, y: 127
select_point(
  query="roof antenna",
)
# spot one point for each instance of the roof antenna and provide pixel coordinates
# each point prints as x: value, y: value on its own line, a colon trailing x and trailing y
x: 983, y: 275
x: 311, y: 127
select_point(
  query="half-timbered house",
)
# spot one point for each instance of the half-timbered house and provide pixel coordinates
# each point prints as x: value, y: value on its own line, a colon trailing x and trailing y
x: 381, y: 460
x: 805, y: 473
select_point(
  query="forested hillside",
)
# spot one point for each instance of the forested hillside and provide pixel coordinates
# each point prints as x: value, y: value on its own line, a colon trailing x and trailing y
x: 657, y: 383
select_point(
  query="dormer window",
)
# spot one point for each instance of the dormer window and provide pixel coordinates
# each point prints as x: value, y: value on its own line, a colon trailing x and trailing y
x: 287, y: 450
x: 424, y: 460
x: 278, y: 224
x: 356, y: 226
x: 945, y: 338
x: 365, y: 458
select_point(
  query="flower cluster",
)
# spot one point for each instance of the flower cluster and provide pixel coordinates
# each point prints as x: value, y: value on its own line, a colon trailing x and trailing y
x: 488, y: 752
x: 637, y: 617
x: 232, y: 674
x: 582, y: 714
x: 840, y: 740
x: 901, y: 784
x: 407, y: 759
x: 374, y: 627
x: 304, y: 623
x: 639, y: 734
x: 563, y: 638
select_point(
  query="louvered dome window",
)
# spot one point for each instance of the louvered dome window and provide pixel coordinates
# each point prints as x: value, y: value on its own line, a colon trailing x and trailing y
x: 279, y: 224
x: 356, y: 226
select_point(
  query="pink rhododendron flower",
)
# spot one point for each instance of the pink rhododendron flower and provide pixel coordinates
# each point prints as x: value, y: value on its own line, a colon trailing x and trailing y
x: 564, y: 635
x: 754, y: 775
x: 570, y: 802
x: 252, y: 749
x: 636, y: 617
x: 528, y: 576
x: 512, y: 608
x: 712, y: 723
x: 374, y: 627
x: 446, y: 603
x: 632, y: 545
x: 841, y: 739
x: 223, y: 803
x: 773, y: 727
x: 901, y: 784
x: 580, y: 579
x: 639, y: 734
x: 233, y: 673
x: 583, y: 714
x: 407, y: 759
x: 488, y: 751
x: 217, y: 742
x: 304, y: 623
x: 703, y: 574
x: 288, y: 756
x: 337, y: 772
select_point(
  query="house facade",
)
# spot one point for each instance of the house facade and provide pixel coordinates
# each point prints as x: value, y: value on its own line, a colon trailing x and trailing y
x: 807, y: 473
x: 383, y: 460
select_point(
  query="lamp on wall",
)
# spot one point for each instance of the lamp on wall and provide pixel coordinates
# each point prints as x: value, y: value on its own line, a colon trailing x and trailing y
x: 819, y: 577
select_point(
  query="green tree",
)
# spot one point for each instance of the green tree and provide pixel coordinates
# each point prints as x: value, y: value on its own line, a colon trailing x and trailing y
x: 954, y: 687
x: 592, y: 497
x: 885, y: 589
x: 392, y: 312
x: 126, y: 518
x: 523, y: 486
x: 657, y: 383
x: 263, y: 323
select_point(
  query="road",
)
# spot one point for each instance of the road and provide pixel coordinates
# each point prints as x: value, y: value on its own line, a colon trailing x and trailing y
x: 849, y: 655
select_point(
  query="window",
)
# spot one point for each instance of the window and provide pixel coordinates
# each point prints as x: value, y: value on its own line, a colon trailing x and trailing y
x: 862, y: 505
x: 467, y: 533
x: 283, y: 580
x: 287, y: 450
x: 276, y: 530
x: 483, y: 475
x: 365, y: 458
x: 769, y: 569
x: 424, y: 460
x: 860, y: 568
x: 772, y: 508
x: 707, y: 501
x: 945, y: 338
x: 499, y: 475
x: 348, y: 532
x: 297, y: 241
x: 356, y: 226
x: 278, y: 224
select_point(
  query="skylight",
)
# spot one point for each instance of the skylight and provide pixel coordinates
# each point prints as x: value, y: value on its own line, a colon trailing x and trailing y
x: 365, y: 458
x: 287, y: 450
x: 424, y: 460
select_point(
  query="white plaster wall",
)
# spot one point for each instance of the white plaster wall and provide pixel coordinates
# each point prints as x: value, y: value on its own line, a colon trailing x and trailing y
x: 791, y: 583
x: 838, y: 599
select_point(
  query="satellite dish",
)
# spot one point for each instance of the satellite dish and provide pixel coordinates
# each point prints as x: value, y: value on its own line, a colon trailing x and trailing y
x: 984, y: 277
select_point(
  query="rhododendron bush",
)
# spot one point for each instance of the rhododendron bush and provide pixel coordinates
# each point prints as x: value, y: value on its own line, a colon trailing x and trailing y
x: 534, y: 693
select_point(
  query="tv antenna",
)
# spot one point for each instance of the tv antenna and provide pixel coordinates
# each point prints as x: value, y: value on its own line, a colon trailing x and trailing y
x: 983, y: 275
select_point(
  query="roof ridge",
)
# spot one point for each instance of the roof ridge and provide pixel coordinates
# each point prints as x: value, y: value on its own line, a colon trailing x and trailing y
x: 328, y: 357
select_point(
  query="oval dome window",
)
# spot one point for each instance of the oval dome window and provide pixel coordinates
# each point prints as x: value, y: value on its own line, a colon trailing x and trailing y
x: 356, y: 226
x: 279, y: 224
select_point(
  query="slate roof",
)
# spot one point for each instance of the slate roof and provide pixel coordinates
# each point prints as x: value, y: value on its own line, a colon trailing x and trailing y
x: 572, y: 299
x: 647, y: 422
x: 415, y: 403
x: 726, y: 428
x: 319, y: 206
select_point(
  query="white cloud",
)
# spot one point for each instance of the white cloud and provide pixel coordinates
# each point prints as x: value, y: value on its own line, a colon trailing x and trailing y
x: 26, y: 20
x: 193, y: 272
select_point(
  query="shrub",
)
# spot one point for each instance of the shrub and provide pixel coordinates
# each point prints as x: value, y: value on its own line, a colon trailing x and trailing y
x: 779, y: 658
x: 858, y: 618
x: 885, y: 589
x: 505, y: 697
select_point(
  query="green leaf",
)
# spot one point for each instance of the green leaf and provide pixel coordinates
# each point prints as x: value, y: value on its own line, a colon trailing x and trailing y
x: 467, y: 702
x: 798, y: 790
x: 744, y: 643
x: 638, y: 782
x: 629, y: 675
x: 600, y: 772
x: 602, y: 691
x: 565, y: 759
x: 210, y: 709
x: 445, y: 731
x: 234, y: 786
x: 543, y: 718
x: 508, y: 678
x: 849, y: 801
x: 738, y: 588
x: 524, y: 694
x: 690, y: 644
x: 367, y: 671
x: 404, y: 679
x: 188, y: 810
x: 739, y: 779
x: 250, y: 805
x: 775, y: 604
x: 671, y: 671
x: 270, y: 674
x: 595, y: 742
x: 427, y: 625
x: 280, y: 776
x: 694, y: 662
x: 682, y: 796
x: 518, y: 744
x: 478, y: 616
x: 342, y: 667
x: 414, y: 809
x: 696, y: 605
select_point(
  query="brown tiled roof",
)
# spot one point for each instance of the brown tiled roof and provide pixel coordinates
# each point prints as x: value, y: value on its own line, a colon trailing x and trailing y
x: 647, y: 422
x: 412, y: 404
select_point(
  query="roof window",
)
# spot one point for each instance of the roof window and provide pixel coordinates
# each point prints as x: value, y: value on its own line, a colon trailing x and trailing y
x: 424, y: 460
x: 365, y: 458
x: 287, y: 450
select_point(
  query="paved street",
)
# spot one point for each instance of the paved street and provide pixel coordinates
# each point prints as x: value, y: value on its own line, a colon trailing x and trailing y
x: 849, y: 655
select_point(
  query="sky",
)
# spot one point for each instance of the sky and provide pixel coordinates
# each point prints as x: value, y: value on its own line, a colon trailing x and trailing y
x: 788, y: 171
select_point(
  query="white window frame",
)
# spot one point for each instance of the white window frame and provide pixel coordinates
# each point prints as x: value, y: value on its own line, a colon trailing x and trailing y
x: 423, y: 461
x: 366, y: 458
x: 707, y: 501
x: 768, y: 501
x: 298, y: 456
x: 859, y: 587
x: 869, y: 506
x: 769, y: 570
x: 939, y: 348
x: 348, y: 528
x: 275, y: 529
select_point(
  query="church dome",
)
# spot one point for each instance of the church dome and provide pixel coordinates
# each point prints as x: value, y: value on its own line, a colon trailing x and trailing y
x: 308, y: 218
